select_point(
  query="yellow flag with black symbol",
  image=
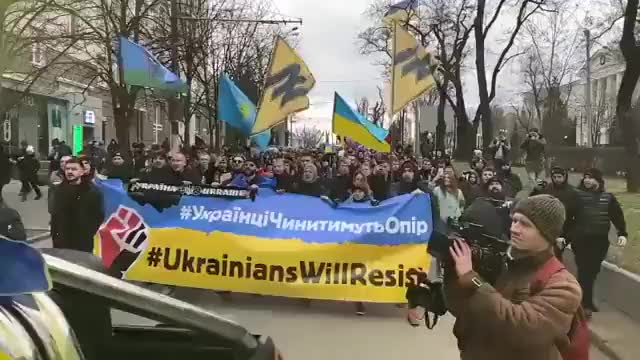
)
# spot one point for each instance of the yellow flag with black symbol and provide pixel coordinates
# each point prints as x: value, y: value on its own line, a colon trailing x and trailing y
x: 413, y: 69
x: 286, y: 89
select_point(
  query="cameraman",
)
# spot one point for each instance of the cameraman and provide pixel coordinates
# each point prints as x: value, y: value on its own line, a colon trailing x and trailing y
x: 499, y: 149
x: 510, y: 321
x: 534, y: 147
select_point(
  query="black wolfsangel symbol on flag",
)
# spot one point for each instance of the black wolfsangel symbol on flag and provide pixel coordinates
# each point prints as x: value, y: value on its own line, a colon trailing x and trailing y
x: 412, y: 63
x: 290, y: 88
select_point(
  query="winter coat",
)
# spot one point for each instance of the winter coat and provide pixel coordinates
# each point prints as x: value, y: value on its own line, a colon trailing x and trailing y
x: 55, y: 179
x: 77, y: 214
x: 5, y: 168
x: 339, y: 187
x: 123, y: 172
x: 534, y: 149
x: 311, y: 189
x: 167, y: 176
x: 29, y: 166
x: 11, y: 225
x: 512, y: 183
x: 596, y: 211
x: 380, y: 186
x: 508, y: 321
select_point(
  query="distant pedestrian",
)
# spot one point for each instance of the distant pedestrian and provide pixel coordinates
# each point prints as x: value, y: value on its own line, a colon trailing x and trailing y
x: 534, y: 147
x: 29, y: 166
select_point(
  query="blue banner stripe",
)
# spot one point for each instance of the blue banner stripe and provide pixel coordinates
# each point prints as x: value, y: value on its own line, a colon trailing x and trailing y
x: 400, y: 220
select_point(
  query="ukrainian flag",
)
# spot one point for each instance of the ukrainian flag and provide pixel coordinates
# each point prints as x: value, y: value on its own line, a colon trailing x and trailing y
x: 349, y: 123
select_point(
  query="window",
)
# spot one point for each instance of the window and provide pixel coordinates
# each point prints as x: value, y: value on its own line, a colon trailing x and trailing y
x: 603, y: 59
x: 38, y: 54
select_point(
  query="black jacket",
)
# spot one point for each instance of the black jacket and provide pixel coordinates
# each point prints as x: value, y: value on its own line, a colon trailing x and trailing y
x: 311, y: 189
x: 76, y: 217
x: 11, y: 225
x: 339, y: 188
x: 380, y: 186
x: 5, y: 168
x: 29, y: 167
x: 123, y: 172
x: 167, y: 176
x: 596, y: 211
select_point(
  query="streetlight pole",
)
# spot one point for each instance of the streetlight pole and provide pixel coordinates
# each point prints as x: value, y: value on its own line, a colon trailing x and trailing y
x: 587, y: 89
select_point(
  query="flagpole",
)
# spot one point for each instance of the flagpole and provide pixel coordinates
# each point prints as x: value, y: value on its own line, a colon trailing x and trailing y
x: 393, y: 66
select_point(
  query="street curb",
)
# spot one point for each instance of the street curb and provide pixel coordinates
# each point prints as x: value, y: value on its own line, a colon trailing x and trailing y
x: 603, y: 346
x: 39, y: 237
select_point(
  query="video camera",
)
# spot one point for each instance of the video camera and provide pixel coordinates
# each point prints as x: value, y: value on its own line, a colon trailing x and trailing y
x: 483, y: 227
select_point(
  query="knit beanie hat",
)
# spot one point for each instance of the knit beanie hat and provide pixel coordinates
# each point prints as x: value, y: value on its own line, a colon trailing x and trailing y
x: 546, y: 212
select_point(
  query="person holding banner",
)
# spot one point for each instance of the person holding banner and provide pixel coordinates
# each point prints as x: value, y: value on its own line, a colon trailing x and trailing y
x: 309, y: 183
x: 78, y: 211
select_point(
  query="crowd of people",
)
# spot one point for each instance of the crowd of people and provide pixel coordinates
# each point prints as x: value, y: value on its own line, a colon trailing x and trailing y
x: 354, y: 175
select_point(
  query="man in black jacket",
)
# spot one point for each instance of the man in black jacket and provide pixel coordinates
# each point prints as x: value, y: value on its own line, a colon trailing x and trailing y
x: 590, y: 240
x: 178, y: 173
x: 339, y: 186
x: 568, y: 196
x: 78, y: 211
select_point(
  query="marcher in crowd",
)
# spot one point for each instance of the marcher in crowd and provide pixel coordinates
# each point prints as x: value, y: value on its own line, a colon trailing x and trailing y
x: 380, y: 181
x: 118, y: 168
x: 340, y: 184
x: 55, y: 179
x: 450, y: 198
x: 512, y: 182
x: 568, y: 195
x: 78, y: 210
x: 283, y: 180
x: 309, y: 183
x: 590, y: 243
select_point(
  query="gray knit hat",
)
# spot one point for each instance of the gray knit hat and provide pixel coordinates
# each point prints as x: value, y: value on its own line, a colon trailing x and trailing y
x: 546, y: 212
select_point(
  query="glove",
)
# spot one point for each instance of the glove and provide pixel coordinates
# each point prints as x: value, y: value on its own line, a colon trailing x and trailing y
x: 561, y: 242
x: 622, y: 241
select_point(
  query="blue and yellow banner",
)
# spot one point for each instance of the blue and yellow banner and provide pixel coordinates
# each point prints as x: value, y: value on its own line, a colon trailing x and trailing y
x: 279, y: 244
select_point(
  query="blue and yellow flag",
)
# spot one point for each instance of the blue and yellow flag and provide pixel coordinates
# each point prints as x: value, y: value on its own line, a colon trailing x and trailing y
x: 412, y: 72
x: 22, y: 268
x: 349, y: 123
x: 286, y: 89
x: 141, y: 68
x: 237, y: 110
x: 402, y: 10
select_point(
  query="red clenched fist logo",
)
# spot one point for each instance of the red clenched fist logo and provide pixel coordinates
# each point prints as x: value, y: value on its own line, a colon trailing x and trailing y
x: 125, y: 230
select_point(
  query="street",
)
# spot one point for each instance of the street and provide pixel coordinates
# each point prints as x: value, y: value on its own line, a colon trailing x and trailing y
x: 320, y: 331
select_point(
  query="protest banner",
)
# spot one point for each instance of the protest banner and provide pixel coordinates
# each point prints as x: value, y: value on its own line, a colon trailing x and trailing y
x: 278, y: 244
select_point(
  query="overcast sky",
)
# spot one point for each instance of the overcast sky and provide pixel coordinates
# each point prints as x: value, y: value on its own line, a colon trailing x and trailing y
x: 328, y: 43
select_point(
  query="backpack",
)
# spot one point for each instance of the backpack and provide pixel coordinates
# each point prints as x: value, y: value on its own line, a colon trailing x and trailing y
x: 579, y: 338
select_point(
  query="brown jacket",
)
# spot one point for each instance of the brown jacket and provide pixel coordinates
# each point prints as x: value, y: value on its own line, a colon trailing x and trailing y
x: 509, y: 321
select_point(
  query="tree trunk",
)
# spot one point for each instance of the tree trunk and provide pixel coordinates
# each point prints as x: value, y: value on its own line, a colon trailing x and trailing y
x: 484, y: 109
x: 624, y: 110
x: 441, y: 127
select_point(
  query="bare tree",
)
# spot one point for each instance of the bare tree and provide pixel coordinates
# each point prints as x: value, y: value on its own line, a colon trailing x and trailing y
x: 35, y: 40
x: 552, y: 64
x: 602, y: 116
x: 309, y: 137
x: 624, y: 111
x: 240, y: 49
x: 487, y: 91
x: 448, y: 25
x: 375, y: 113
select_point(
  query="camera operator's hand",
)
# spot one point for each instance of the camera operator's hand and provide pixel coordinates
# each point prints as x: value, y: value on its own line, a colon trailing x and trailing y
x: 461, y: 254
